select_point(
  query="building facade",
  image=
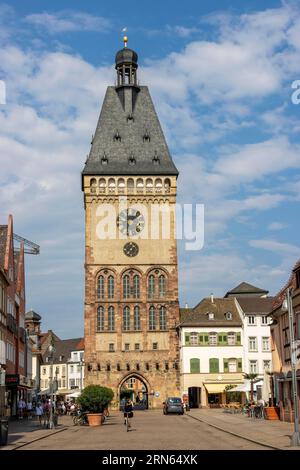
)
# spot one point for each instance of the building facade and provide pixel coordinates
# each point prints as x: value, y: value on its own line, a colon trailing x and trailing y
x: 131, y: 285
x: 3, y: 320
x: 18, y: 383
x: 255, y: 307
x: 76, y: 368
x: 56, y: 365
x: 281, y: 346
x: 211, y: 351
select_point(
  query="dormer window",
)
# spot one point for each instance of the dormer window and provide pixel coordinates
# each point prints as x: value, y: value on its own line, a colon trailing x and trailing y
x: 117, y: 137
x: 228, y: 316
x: 146, y: 137
x: 130, y: 117
x: 61, y: 358
x: 156, y: 160
x: 132, y: 160
x: 104, y: 160
x: 211, y: 316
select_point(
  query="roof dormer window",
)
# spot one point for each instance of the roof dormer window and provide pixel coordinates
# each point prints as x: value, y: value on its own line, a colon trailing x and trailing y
x: 211, y: 316
x: 156, y: 160
x: 132, y: 160
x: 146, y: 137
x: 117, y: 137
x: 104, y: 160
x: 228, y: 315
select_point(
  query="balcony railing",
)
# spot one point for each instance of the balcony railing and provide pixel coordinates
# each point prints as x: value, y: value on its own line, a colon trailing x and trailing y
x: 12, y: 324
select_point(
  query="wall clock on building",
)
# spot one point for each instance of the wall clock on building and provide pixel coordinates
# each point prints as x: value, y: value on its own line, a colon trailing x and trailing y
x: 130, y: 222
x: 131, y: 249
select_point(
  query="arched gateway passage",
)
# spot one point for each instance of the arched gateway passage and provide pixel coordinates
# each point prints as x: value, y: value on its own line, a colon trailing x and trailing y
x: 135, y: 387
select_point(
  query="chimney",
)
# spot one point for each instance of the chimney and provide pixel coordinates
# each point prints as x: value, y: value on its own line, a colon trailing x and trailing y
x: 212, y: 298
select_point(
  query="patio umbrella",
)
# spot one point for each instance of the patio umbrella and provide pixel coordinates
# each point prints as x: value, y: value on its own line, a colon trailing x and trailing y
x: 266, y: 389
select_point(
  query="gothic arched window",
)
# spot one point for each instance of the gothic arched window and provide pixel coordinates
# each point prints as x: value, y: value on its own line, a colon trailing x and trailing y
x: 100, y: 318
x: 126, y: 319
x: 162, y: 318
x: 100, y: 287
x: 126, y: 287
x: 137, y: 318
x: 111, y: 318
x: 152, y: 319
x: 136, y: 286
x: 151, y: 286
x: 162, y: 285
x: 111, y: 287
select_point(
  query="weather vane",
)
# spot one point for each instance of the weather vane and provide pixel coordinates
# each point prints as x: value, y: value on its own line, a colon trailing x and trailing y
x: 125, y: 38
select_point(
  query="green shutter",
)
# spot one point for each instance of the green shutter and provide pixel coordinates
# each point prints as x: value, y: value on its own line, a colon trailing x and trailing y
x: 213, y: 365
x: 226, y: 369
x: 195, y: 366
x: 220, y: 339
x: 187, y: 339
x: 240, y: 365
x: 206, y: 339
x: 225, y: 339
x: 238, y: 338
x: 201, y: 339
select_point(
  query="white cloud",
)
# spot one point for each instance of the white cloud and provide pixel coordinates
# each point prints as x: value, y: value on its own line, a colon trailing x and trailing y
x: 68, y: 21
x: 277, y: 226
x: 276, y: 247
x: 254, y: 161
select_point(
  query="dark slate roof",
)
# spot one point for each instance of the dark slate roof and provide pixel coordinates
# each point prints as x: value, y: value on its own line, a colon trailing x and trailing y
x: 3, y: 237
x: 244, y: 288
x: 113, y: 119
x: 63, y: 348
x: 198, y: 316
x: 256, y: 304
x: 32, y: 315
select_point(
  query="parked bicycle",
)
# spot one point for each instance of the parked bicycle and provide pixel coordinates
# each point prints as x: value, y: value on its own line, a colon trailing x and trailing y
x: 80, y: 419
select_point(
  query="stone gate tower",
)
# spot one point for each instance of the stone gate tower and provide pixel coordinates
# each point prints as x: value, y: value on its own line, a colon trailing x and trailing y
x: 131, y: 285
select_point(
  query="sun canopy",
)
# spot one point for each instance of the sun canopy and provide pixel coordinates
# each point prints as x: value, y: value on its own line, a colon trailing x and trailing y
x: 215, y: 388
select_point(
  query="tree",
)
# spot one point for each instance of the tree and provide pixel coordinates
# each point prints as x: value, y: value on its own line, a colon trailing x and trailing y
x: 252, y: 378
x: 94, y: 398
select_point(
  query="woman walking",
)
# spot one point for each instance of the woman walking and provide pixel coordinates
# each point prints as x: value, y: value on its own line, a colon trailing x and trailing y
x: 39, y: 412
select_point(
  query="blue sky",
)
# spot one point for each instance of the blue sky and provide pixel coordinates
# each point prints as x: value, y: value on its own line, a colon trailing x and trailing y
x: 220, y: 74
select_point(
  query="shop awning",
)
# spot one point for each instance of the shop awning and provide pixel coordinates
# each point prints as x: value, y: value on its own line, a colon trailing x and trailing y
x: 215, y: 388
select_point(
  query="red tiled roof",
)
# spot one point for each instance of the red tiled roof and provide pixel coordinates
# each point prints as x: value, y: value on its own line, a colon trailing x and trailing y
x: 279, y: 298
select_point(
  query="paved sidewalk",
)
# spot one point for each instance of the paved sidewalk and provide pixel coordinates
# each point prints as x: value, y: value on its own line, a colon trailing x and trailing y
x: 272, y: 433
x: 23, y: 431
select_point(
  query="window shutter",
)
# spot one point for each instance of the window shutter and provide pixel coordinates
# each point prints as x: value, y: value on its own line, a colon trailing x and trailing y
x: 195, y: 366
x: 213, y: 365
x: 206, y: 340
x: 226, y: 369
x: 238, y: 338
x: 187, y: 339
x: 225, y: 338
x: 220, y: 339
x: 201, y: 339
x: 240, y: 365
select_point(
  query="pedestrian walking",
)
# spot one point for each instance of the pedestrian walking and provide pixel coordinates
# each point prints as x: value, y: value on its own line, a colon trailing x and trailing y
x: 29, y: 409
x: 39, y: 412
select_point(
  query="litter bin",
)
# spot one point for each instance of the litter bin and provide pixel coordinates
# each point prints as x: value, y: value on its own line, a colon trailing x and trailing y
x: 3, y: 431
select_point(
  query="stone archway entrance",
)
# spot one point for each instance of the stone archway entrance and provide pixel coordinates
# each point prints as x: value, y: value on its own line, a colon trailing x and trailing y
x: 135, y: 387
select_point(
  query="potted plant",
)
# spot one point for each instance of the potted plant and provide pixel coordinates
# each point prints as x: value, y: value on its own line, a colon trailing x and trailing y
x: 272, y: 412
x: 93, y: 400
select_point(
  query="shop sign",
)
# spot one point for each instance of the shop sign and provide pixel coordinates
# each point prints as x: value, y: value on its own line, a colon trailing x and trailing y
x: 12, y: 379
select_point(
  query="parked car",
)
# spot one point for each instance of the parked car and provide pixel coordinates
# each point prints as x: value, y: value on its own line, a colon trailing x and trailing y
x: 173, y: 405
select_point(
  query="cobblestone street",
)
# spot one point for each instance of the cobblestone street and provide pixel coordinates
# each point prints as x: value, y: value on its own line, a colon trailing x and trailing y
x: 153, y: 430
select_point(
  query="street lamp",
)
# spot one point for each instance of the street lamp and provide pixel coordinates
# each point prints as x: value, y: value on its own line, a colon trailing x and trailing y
x: 51, y: 387
x: 288, y: 306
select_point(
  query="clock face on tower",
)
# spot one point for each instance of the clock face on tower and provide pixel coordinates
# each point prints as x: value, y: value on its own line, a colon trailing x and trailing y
x: 130, y: 222
x: 131, y: 249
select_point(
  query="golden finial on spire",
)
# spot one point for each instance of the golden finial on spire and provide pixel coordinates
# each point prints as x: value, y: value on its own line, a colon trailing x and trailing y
x: 125, y: 38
